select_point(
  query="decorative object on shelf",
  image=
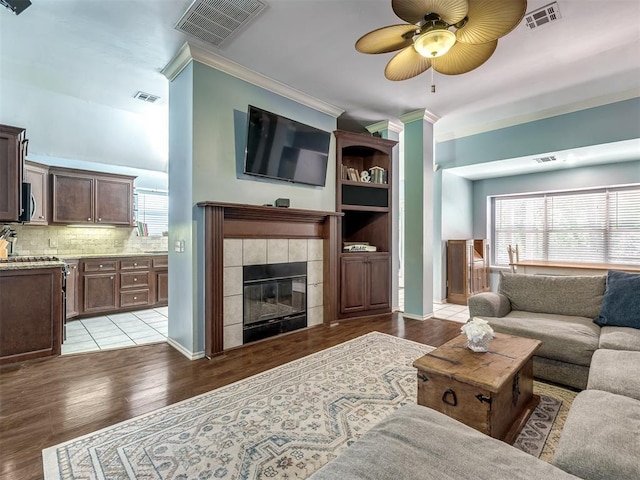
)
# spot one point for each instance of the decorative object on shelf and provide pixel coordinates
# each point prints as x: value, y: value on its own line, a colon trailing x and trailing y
x: 478, y: 332
x: 453, y: 37
x: 365, y: 177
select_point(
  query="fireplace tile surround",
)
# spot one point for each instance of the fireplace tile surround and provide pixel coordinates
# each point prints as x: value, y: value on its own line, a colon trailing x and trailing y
x: 241, y: 252
x: 239, y: 234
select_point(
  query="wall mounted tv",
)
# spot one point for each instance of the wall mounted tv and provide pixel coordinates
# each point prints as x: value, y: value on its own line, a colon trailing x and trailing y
x: 283, y: 149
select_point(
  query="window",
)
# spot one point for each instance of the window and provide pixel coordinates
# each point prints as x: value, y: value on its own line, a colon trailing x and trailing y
x: 152, y: 208
x: 600, y: 226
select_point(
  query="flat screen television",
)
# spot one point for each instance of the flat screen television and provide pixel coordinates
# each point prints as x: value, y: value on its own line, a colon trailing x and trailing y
x: 283, y: 149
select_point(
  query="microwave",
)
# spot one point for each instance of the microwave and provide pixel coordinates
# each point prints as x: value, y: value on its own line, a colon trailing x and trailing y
x: 28, y: 203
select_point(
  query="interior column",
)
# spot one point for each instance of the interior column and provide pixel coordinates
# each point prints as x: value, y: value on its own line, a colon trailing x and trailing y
x: 418, y: 257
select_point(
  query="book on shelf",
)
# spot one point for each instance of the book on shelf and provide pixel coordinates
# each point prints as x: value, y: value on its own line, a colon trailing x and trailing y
x: 376, y: 174
x: 359, y: 247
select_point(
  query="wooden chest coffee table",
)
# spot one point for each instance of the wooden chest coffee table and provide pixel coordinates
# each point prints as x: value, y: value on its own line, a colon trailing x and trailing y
x: 490, y: 391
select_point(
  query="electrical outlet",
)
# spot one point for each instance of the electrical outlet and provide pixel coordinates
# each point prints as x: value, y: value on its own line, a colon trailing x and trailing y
x: 117, y: 242
x: 179, y: 246
x: 53, y: 243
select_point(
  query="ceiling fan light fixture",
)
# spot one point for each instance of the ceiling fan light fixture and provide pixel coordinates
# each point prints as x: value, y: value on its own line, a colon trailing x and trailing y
x: 434, y: 42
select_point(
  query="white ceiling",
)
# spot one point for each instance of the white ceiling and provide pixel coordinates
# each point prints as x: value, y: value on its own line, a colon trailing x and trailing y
x: 69, y: 69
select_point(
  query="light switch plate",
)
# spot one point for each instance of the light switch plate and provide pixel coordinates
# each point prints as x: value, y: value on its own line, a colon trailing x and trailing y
x: 53, y: 243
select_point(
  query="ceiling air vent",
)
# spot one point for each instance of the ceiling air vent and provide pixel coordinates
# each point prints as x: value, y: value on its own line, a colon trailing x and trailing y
x: 216, y: 21
x: 542, y: 16
x: 146, y: 97
x: 550, y: 158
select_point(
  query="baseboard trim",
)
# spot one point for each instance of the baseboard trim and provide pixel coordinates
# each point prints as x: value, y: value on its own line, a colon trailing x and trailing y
x: 190, y: 355
x: 416, y: 317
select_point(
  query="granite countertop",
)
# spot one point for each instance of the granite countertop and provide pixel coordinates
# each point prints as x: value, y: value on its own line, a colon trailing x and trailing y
x: 31, y: 265
x: 74, y: 256
x: 22, y: 265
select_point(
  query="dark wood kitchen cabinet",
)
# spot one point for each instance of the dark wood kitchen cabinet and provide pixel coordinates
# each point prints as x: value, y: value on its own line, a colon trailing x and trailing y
x: 72, y: 288
x: 30, y: 325
x: 161, y: 274
x: 99, y: 286
x: 115, y: 284
x: 365, y: 280
x: 85, y: 197
x: 13, y: 148
x: 364, y: 164
x: 38, y: 176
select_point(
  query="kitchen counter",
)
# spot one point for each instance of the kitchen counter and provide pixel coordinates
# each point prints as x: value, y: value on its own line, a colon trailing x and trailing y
x: 30, y: 265
x: 78, y: 256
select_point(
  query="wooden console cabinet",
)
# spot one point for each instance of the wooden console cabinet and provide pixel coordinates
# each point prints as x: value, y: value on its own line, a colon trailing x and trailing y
x: 468, y: 270
x: 365, y: 277
x: 85, y: 197
x: 13, y: 148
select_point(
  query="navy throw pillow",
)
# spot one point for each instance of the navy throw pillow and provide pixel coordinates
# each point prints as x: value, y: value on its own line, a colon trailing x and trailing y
x: 621, y: 303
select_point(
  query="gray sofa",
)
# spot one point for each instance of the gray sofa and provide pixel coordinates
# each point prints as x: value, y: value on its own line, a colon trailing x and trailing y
x: 600, y: 439
x: 559, y: 311
x: 601, y: 436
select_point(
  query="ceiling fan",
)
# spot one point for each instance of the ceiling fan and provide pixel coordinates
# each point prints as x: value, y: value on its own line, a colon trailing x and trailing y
x: 452, y: 36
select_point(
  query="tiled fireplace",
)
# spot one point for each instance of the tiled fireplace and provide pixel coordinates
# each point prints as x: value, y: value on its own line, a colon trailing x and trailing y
x: 238, y: 237
x: 251, y: 255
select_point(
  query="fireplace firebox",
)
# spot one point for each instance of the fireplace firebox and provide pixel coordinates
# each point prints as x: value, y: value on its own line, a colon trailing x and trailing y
x: 275, y: 299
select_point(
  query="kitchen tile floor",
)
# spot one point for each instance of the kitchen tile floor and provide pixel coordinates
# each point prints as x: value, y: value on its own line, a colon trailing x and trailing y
x: 116, y: 331
x: 451, y: 311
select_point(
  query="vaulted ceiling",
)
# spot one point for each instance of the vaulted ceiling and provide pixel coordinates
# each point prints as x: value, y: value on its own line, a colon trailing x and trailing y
x: 61, y: 59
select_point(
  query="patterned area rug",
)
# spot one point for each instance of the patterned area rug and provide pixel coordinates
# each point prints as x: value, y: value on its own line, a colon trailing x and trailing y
x: 284, y: 423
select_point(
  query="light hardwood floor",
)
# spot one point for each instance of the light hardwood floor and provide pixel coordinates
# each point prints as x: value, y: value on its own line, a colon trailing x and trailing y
x: 45, y: 402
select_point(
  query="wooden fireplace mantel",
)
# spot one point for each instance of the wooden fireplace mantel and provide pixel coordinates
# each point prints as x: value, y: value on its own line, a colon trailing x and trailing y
x: 232, y: 220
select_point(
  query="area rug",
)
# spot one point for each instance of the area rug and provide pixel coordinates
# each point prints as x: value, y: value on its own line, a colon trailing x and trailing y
x: 284, y: 423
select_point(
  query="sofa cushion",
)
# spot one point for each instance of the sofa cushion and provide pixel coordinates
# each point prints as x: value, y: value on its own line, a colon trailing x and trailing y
x: 563, y: 295
x: 620, y: 338
x: 608, y: 372
x: 418, y: 443
x: 564, y: 338
x: 601, y: 438
x: 621, y: 302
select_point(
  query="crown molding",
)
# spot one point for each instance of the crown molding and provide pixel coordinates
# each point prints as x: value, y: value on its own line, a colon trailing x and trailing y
x: 422, y: 114
x: 395, y: 127
x: 189, y: 52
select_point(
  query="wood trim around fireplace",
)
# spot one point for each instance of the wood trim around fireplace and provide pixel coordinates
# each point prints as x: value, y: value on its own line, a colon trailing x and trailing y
x: 230, y: 220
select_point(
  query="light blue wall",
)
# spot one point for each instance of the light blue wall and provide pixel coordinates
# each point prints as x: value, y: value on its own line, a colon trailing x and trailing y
x: 182, y: 281
x: 594, y: 126
x: 219, y: 140
x: 207, y: 128
x: 456, y: 197
x: 418, y: 184
x: 574, y: 178
x: 600, y: 125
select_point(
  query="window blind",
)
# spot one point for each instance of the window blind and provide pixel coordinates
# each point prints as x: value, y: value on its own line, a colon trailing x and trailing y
x: 153, y: 210
x: 599, y: 226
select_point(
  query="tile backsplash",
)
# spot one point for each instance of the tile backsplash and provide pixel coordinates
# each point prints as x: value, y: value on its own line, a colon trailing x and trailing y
x: 61, y: 240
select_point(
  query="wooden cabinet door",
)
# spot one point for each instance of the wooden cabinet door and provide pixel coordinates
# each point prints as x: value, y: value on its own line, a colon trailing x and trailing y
x: 114, y: 201
x: 378, y: 283
x: 38, y: 177
x: 11, y: 164
x: 100, y: 292
x: 353, y: 275
x: 31, y: 324
x: 72, y: 289
x: 162, y: 288
x: 72, y: 199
